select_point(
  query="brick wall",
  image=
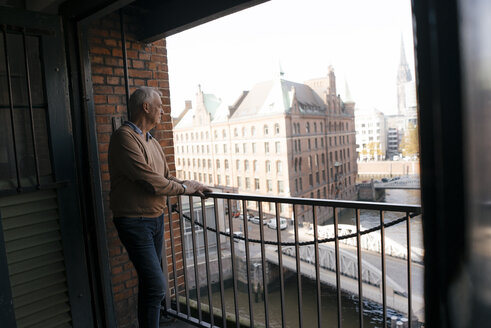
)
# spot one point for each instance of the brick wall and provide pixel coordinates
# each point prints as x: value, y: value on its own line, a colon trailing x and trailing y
x: 147, y: 65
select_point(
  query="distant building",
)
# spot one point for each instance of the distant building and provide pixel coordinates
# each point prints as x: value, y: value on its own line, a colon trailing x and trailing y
x: 371, y: 135
x: 393, y: 141
x: 280, y: 138
x: 406, y: 107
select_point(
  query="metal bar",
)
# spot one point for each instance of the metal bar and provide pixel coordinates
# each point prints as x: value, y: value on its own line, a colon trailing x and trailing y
x: 31, y: 115
x: 234, y: 266
x: 195, y: 259
x: 207, y: 261
x: 299, y: 273
x: 317, y: 268
x: 125, y: 62
x: 245, y: 217
x: 382, y: 252
x: 184, y: 261
x: 360, y: 271
x: 338, y: 268
x: 280, y: 264
x: 43, y: 106
x: 248, y: 269
x: 169, y: 209
x: 220, y: 268
x: 416, y: 209
x: 409, y: 290
x: 11, y: 103
x: 263, y: 263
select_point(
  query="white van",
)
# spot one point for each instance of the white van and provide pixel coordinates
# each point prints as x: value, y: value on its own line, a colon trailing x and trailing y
x: 283, y: 223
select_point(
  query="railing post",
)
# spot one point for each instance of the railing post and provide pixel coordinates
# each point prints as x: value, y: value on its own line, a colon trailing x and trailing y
x: 234, y: 265
x: 207, y: 261
x: 280, y: 264
x: 195, y: 259
x: 184, y: 255
x: 360, y: 271
x: 220, y: 267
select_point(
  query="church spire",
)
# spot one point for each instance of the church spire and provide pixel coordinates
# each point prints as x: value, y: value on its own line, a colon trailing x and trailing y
x: 403, y: 73
x: 403, y: 77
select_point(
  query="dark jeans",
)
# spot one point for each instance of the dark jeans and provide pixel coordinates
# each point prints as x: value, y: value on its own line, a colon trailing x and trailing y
x: 143, y: 237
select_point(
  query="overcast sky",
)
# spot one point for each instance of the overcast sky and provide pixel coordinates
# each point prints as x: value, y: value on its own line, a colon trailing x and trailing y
x: 360, y: 39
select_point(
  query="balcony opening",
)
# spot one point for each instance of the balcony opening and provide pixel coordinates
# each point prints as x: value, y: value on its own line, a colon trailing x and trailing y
x: 279, y: 73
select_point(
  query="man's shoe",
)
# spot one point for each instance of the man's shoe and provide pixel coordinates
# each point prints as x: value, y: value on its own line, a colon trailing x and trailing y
x: 166, y: 319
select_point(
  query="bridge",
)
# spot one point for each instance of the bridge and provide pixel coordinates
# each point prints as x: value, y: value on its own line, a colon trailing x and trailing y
x: 398, y: 183
x: 375, y: 190
x: 396, y: 274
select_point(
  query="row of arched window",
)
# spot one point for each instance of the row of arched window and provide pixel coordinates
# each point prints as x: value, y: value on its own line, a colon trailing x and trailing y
x: 239, y: 164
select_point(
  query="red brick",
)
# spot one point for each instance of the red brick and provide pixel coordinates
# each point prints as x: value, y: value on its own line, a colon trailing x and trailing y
x: 113, y: 80
x: 97, y: 79
x: 100, y: 50
x: 118, y: 288
x: 117, y: 53
x: 97, y: 31
x: 144, y: 56
x: 140, y: 73
x: 153, y: 83
x: 100, y: 99
x: 115, y: 34
x: 103, y: 119
x: 131, y: 283
x: 157, y: 58
x: 121, y: 109
x: 103, y: 70
x: 118, y: 72
x: 127, y: 266
x: 121, y: 259
x: 117, y: 270
x: 97, y: 59
x: 122, y: 277
x: 137, y: 63
x: 104, y: 128
x: 123, y: 295
x: 105, y: 109
x: 112, y: 43
x: 111, y: 61
x: 119, y: 91
x: 133, y: 54
x: 112, y: 99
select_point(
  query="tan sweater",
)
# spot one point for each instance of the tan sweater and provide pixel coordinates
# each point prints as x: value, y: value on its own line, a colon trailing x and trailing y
x: 139, y: 173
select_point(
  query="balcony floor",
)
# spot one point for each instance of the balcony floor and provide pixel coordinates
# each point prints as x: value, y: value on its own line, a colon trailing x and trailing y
x: 176, y: 324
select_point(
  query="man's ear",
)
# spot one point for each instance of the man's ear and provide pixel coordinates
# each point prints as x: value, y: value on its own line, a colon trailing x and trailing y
x: 145, y: 107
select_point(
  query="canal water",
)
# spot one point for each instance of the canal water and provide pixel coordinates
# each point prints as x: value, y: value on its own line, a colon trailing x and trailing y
x: 372, y: 312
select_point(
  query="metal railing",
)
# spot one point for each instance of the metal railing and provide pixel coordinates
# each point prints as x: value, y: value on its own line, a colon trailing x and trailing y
x: 194, y: 211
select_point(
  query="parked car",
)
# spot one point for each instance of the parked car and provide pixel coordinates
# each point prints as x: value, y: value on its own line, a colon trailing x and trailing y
x: 236, y: 234
x: 255, y: 220
x: 283, y: 223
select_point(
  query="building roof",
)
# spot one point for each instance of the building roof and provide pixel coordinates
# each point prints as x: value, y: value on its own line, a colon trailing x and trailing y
x: 276, y: 96
x: 206, y: 101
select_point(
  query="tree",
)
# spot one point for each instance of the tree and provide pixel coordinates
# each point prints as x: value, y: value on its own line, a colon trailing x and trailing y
x: 410, y: 141
x: 373, y: 148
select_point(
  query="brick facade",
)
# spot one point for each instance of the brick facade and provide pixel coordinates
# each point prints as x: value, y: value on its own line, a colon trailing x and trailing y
x: 147, y: 66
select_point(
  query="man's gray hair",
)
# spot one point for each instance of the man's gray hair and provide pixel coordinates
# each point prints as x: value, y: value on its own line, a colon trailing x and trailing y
x: 139, y: 97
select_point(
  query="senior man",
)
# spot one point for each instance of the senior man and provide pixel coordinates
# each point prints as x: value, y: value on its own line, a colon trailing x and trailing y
x: 140, y: 180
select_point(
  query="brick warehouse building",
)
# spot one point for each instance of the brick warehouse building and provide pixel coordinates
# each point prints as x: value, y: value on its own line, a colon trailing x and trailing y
x: 280, y: 138
x: 65, y: 71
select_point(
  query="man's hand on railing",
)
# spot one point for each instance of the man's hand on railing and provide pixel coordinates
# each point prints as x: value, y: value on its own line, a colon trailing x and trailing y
x: 196, y: 189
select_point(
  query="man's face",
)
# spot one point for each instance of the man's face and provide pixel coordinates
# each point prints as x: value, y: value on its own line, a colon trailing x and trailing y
x: 155, y: 110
